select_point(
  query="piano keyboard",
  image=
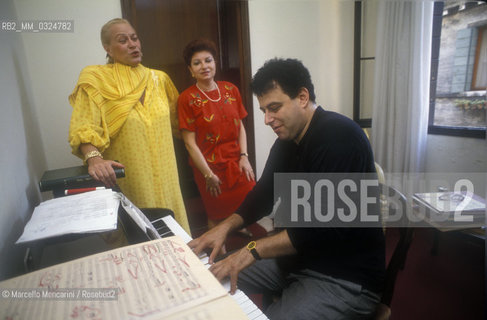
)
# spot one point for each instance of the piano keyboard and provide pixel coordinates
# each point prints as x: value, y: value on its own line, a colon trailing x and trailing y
x: 250, y: 309
x: 167, y: 226
x: 162, y: 229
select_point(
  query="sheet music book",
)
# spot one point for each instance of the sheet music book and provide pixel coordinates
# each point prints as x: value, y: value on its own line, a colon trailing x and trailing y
x: 159, y: 279
x: 94, y: 211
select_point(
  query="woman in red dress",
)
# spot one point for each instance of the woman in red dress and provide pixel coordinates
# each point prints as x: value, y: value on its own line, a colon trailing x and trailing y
x: 210, y: 119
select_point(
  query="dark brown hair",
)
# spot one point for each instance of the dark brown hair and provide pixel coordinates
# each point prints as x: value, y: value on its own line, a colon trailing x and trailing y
x: 198, y: 45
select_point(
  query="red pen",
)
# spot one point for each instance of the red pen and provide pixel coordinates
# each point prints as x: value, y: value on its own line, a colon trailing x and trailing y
x: 81, y: 190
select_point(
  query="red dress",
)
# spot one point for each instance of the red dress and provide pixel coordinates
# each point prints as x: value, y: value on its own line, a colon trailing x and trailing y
x: 217, y: 126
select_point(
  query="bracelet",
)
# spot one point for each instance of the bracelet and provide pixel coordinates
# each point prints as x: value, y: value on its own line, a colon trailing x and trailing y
x: 92, y: 154
x: 244, y: 154
x: 208, y: 176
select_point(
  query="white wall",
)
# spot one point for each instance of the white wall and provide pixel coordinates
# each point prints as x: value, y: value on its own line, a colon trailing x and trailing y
x: 456, y: 154
x: 320, y: 34
x: 22, y: 158
x: 38, y: 72
x: 456, y: 158
x: 55, y: 61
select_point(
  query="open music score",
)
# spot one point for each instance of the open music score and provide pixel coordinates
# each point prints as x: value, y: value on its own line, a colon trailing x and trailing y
x: 160, y: 279
x: 251, y: 310
x: 153, y: 280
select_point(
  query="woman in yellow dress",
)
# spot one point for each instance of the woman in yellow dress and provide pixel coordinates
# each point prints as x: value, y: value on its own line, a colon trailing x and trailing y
x: 126, y: 112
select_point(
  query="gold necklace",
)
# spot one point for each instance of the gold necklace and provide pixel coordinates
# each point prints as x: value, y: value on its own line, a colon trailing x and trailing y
x: 213, y: 100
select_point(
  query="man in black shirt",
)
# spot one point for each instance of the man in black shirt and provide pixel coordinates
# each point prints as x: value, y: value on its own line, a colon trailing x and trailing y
x: 318, y: 273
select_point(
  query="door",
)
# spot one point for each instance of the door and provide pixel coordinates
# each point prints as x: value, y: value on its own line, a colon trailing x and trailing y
x: 166, y: 26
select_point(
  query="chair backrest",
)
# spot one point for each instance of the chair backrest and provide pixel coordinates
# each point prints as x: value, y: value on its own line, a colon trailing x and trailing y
x: 394, y: 200
x: 380, y: 173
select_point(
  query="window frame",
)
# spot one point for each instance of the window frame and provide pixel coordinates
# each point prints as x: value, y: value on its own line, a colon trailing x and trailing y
x: 435, y: 52
x: 482, y: 30
x: 357, y: 60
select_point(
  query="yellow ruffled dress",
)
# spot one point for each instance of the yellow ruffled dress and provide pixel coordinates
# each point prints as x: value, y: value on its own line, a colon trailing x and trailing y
x: 108, y: 113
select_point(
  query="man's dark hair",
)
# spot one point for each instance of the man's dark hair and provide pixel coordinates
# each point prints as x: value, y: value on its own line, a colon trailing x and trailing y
x: 290, y: 74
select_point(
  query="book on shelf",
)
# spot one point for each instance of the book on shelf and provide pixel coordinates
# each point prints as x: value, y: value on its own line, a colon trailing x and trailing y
x: 72, y: 177
x: 159, y: 279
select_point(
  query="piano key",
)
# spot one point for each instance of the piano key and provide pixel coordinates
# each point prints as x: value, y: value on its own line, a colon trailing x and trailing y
x: 176, y: 228
x: 204, y: 258
x: 249, y: 307
x: 166, y: 234
x: 159, y: 223
x: 162, y: 229
x: 249, y: 311
x: 255, y: 313
x: 240, y: 297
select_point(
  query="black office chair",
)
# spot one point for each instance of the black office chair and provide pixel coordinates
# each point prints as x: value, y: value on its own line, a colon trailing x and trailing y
x: 393, y: 202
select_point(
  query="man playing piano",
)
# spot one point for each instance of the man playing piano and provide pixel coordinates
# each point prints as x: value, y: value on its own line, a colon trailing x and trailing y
x: 312, y: 273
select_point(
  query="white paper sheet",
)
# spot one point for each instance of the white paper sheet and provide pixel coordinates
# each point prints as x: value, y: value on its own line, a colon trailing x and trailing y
x: 93, y: 211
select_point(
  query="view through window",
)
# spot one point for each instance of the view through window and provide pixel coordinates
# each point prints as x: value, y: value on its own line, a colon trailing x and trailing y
x: 459, y: 74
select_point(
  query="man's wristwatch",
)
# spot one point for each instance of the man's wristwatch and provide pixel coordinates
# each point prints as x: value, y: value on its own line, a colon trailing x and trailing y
x: 253, y: 251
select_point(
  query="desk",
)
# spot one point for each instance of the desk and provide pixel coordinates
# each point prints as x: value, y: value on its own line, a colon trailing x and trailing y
x: 474, y: 231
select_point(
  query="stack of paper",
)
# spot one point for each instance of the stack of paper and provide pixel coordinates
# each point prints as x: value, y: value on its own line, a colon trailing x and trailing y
x: 94, y: 211
x: 452, y: 206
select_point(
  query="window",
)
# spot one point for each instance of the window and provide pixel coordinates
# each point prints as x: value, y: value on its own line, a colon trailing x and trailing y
x: 364, y: 62
x: 459, y: 69
x: 479, y: 81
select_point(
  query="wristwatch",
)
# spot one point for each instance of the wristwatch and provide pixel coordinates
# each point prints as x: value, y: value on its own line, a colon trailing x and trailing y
x: 253, y: 251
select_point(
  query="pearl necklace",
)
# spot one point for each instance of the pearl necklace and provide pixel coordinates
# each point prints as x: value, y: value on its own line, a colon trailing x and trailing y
x: 213, y: 100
